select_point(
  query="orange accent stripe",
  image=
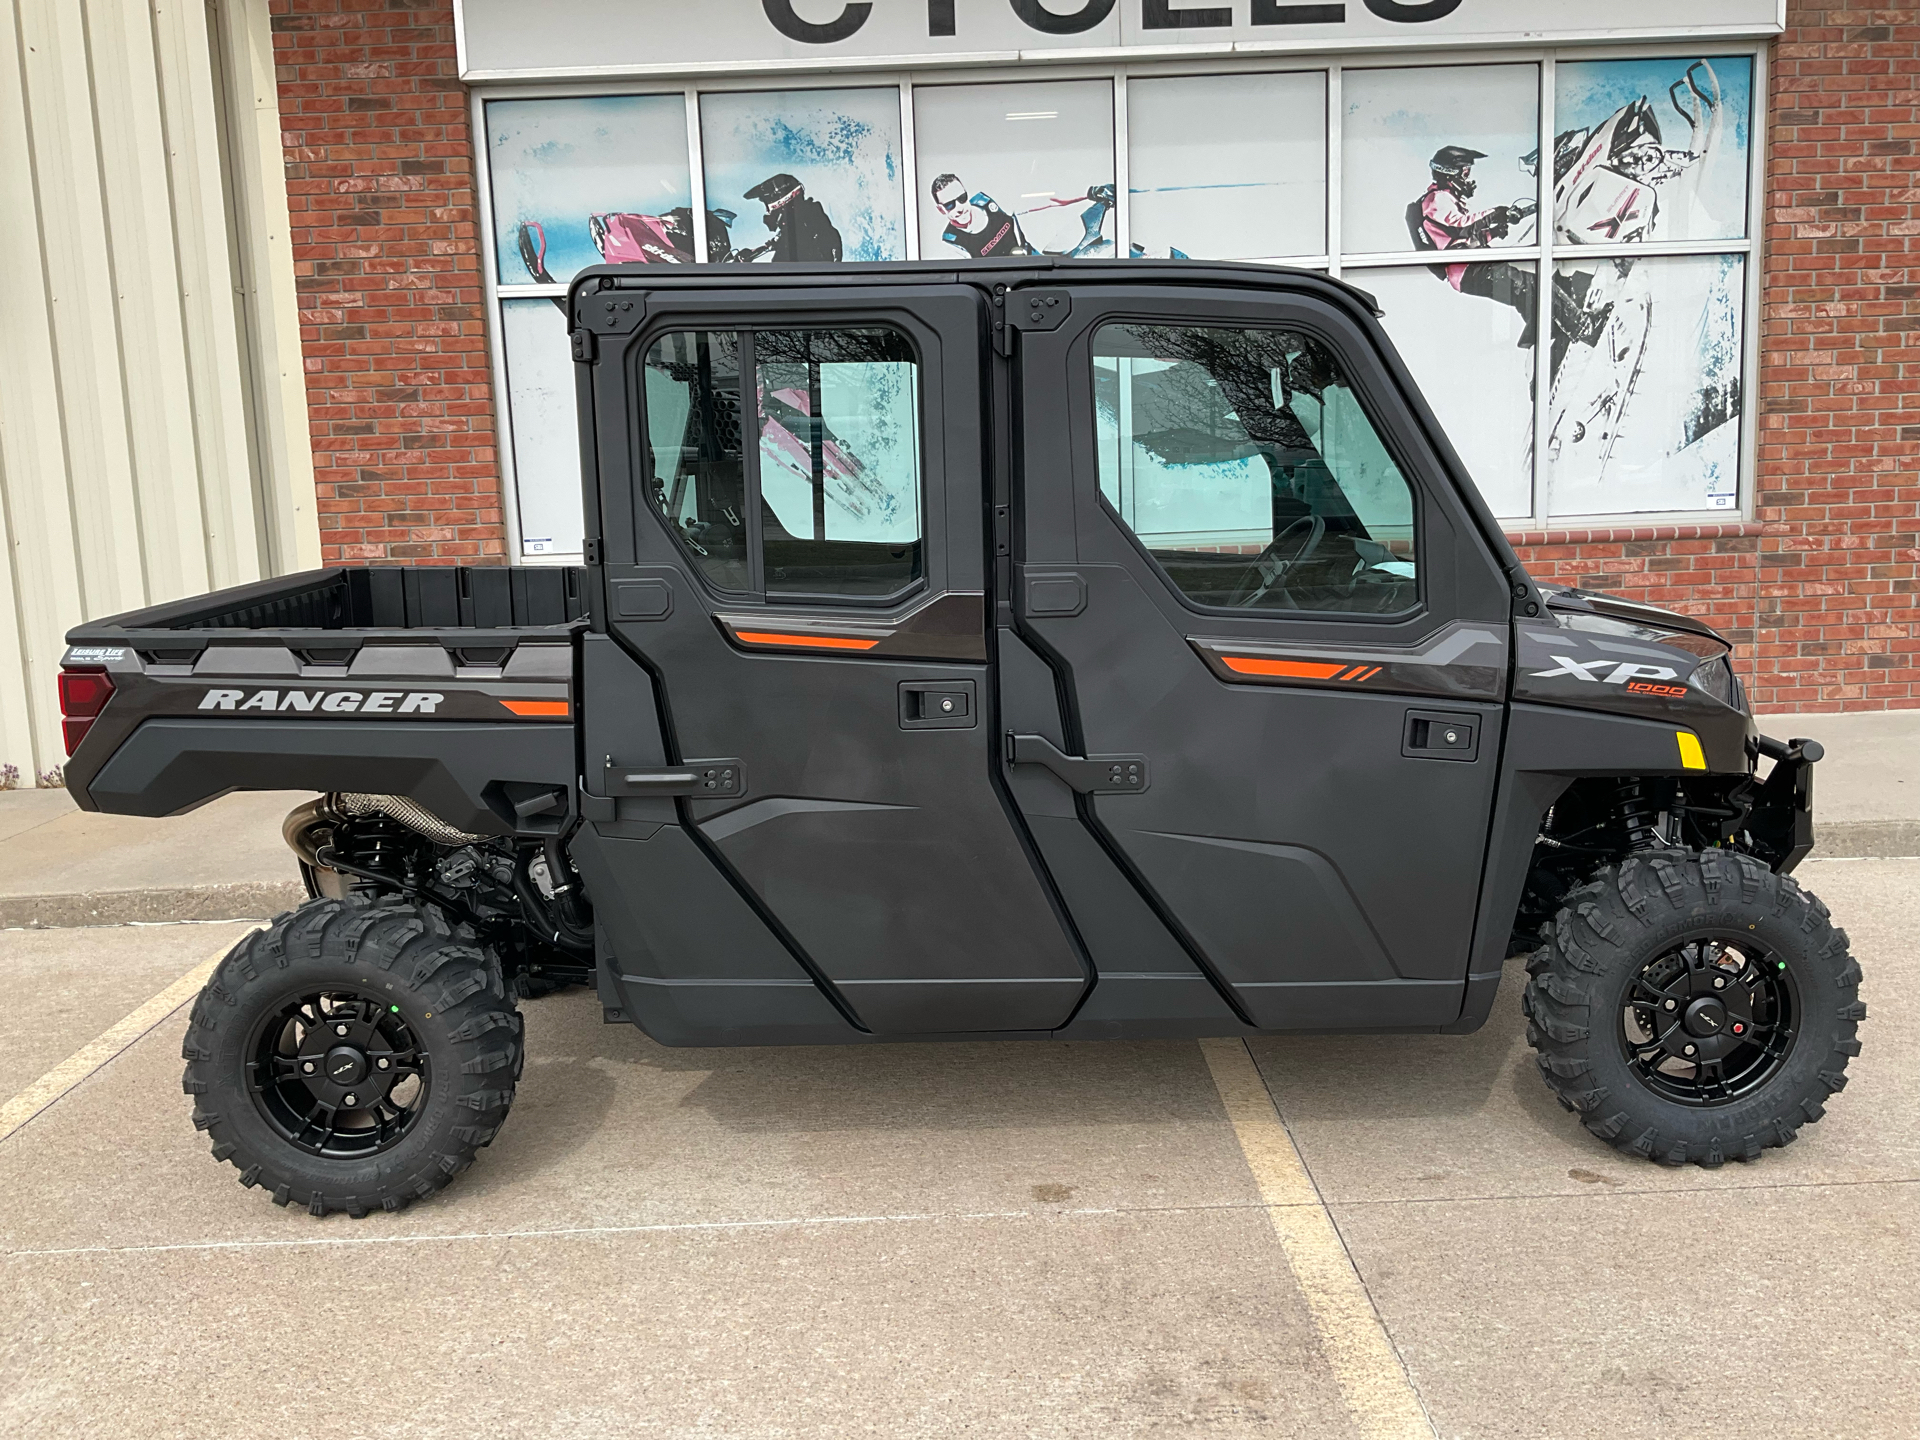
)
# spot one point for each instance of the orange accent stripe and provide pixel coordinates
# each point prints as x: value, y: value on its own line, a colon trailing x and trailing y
x: 529, y: 708
x: 1292, y: 669
x: 1368, y: 675
x: 815, y: 642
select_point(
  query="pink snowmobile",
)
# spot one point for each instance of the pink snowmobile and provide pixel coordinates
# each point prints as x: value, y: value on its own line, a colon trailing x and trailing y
x: 631, y: 239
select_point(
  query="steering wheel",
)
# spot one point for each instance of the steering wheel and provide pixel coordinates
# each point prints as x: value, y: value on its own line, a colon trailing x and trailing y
x: 1269, y: 569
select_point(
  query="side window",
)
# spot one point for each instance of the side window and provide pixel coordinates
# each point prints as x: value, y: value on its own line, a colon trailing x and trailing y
x: 1242, y: 461
x: 826, y: 503
x: 692, y: 395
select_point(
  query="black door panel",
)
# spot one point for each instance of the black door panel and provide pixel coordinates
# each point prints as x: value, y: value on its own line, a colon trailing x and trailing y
x: 1321, y: 875
x: 1131, y: 947
x: 1273, y: 811
x: 1263, y: 911
x: 884, y: 851
x: 872, y: 836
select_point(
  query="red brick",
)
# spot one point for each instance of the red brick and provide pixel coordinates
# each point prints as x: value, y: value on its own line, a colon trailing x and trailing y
x: 374, y: 128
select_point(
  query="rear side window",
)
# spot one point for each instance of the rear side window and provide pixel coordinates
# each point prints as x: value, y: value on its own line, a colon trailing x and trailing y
x: 822, y: 497
x: 1242, y: 460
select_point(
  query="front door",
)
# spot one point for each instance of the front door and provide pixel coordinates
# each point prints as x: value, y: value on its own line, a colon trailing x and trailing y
x: 798, y: 558
x: 1277, y: 635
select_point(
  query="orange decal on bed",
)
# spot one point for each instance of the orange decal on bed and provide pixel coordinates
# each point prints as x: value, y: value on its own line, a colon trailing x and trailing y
x: 528, y: 709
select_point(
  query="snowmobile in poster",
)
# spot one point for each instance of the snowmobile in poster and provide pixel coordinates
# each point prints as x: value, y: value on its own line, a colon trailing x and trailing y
x: 626, y: 238
x: 1593, y: 383
x: 1608, y: 184
x: 802, y: 230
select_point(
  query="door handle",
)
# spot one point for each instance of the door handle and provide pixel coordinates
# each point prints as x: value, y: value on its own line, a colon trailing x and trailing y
x: 1085, y: 774
x: 1441, y: 735
x: 697, y: 779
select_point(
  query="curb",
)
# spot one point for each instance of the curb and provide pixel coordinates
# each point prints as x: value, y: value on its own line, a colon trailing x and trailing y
x: 1865, y: 839
x: 255, y: 900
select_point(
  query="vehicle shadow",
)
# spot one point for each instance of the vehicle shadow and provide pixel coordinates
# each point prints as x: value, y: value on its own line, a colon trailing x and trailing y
x: 1410, y: 1077
x: 1014, y: 1083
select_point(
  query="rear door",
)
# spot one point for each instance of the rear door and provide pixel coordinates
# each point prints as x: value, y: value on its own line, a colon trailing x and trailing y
x: 793, y: 528
x: 1277, y: 636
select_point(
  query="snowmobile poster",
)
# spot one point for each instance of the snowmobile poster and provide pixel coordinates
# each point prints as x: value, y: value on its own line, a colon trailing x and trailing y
x: 810, y: 175
x: 1644, y: 398
x: 557, y: 164
x: 1645, y: 401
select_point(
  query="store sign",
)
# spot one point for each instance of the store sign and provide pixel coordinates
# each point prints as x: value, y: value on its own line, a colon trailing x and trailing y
x: 511, y: 39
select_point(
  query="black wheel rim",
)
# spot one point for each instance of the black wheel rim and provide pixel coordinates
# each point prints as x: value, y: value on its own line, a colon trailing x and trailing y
x: 1709, y: 1020
x: 338, y: 1073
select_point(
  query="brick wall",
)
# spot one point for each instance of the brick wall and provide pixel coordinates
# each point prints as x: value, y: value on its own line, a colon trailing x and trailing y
x: 1821, y: 591
x: 380, y: 183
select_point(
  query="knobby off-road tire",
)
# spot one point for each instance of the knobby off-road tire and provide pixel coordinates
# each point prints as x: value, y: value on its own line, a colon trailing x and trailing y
x: 423, y: 1007
x: 1674, y: 925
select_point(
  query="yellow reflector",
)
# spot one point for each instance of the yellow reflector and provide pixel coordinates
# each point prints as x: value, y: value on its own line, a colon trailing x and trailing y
x: 1692, y: 757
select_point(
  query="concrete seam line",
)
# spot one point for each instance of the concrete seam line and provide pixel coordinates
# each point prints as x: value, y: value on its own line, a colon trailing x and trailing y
x: 592, y: 1232
x: 1361, y: 1354
x: 795, y: 1222
x: 109, y: 1043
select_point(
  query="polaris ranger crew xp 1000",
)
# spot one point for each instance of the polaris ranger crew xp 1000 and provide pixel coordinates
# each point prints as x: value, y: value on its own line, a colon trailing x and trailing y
x: 1035, y: 649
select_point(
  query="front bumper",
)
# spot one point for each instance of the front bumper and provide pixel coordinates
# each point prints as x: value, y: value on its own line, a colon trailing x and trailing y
x: 1781, y: 822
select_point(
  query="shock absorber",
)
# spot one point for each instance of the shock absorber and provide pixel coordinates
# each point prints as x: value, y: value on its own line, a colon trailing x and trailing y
x: 1635, y: 815
x: 378, y: 845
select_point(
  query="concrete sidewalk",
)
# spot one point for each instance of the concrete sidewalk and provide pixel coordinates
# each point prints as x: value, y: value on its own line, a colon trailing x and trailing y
x: 1866, y: 792
x: 60, y: 866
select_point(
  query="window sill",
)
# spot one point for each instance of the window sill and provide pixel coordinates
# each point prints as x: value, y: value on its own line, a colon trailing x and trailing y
x: 1608, y: 534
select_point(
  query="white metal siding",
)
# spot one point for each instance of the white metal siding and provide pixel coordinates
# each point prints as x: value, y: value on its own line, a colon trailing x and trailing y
x: 153, y: 435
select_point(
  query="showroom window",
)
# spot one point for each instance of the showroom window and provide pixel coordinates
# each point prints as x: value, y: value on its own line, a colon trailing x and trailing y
x: 1561, y: 241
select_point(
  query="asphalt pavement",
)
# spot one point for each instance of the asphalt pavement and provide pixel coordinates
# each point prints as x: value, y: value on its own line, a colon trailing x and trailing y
x: 1016, y: 1239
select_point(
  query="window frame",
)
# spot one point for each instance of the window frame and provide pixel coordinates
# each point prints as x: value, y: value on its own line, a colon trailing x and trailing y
x: 753, y: 496
x: 1353, y: 268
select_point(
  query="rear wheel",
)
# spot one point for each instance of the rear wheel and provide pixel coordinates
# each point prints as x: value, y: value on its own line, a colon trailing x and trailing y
x: 354, y: 1055
x: 1693, y: 1006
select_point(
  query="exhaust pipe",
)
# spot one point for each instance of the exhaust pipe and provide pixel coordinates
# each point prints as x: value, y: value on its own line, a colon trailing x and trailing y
x: 310, y: 826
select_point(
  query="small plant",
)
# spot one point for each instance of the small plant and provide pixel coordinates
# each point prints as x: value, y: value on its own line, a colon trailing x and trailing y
x: 9, y: 777
x: 53, y: 779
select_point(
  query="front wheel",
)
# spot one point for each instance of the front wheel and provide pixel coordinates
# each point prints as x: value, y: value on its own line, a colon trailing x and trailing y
x: 1693, y: 1006
x: 353, y: 1056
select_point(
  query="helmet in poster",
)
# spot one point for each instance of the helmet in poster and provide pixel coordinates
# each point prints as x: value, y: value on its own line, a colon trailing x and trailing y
x: 775, y: 191
x: 1450, y: 165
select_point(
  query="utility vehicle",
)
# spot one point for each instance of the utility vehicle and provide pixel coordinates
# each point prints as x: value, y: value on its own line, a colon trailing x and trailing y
x: 1035, y: 649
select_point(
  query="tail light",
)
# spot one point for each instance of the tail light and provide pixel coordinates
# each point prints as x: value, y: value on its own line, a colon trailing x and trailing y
x: 83, y: 693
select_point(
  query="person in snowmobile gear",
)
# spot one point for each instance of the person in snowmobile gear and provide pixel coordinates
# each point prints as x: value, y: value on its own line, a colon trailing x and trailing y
x: 1440, y: 220
x: 800, y: 225
x: 976, y: 223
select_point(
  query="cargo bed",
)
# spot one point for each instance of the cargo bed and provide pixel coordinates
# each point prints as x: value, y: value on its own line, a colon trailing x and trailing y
x: 453, y: 684
x: 351, y: 604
